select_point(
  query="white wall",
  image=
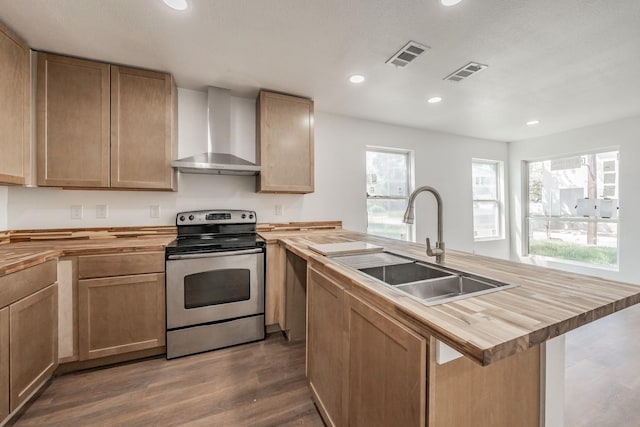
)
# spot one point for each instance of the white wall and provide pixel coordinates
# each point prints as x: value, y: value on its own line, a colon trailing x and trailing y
x: 442, y: 161
x: 621, y: 134
x: 4, y: 195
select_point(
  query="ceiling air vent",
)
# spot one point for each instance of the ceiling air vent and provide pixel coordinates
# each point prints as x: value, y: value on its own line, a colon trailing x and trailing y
x: 408, y: 53
x: 468, y: 70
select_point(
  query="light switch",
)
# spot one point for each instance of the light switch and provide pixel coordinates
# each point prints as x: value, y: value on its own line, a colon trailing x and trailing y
x: 154, y: 211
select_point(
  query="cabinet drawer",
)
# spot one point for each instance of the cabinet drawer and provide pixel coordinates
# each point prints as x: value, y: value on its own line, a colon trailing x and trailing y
x: 20, y: 284
x: 106, y: 265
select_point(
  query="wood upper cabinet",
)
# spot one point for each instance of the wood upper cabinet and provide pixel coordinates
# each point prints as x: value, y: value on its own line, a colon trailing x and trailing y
x: 143, y: 129
x: 284, y: 143
x: 385, y: 369
x: 325, y: 346
x: 104, y: 126
x: 73, y: 129
x: 4, y: 363
x: 33, y: 342
x: 15, y: 122
x: 120, y: 314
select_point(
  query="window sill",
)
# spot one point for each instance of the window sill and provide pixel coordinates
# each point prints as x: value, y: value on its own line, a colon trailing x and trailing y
x: 488, y: 239
x: 552, y: 262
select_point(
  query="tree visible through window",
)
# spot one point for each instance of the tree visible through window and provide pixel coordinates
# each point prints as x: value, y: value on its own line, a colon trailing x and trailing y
x: 389, y: 183
x: 487, y: 199
x: 572, y: 210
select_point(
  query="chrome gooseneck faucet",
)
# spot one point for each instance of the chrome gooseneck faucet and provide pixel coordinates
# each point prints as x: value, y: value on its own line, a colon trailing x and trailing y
x: 438, y: 251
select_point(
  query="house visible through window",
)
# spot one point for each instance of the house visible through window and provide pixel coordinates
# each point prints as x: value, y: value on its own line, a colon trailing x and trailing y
x: 389, y: 183
x: 487, y: 199
x: 572, y: 209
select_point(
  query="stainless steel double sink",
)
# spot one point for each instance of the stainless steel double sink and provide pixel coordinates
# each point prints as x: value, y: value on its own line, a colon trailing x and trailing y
x: 426, y: 282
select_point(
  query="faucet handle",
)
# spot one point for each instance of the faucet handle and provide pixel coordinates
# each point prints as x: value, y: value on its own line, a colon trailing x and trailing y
x: 438, y: 251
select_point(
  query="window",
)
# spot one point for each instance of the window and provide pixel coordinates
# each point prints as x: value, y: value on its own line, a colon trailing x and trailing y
x: 389, y: 183
x: 572, y: 209
x: 487, y: 199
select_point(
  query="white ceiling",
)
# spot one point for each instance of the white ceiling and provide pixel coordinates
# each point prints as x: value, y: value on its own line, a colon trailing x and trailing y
x: 568, y: 63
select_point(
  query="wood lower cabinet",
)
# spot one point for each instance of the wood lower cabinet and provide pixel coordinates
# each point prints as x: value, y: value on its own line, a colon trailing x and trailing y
x: 4, y: 363
x: 143, y: 129
x: 15, y: 121
x: 284, y: 143
x: 295, y: 297
x: 120, y: 314
x: 33, y: 342
x: 104, y: 126
x: 275, y: 285
x: 325, y: 345
x: 364, y: 368
x: 385, y: 369
x: 73, y: 129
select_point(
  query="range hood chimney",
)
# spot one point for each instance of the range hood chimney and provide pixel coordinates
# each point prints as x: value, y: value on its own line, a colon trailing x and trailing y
x: 218, y: 160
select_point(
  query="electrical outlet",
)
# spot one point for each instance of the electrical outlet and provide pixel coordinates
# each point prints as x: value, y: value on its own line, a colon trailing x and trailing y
x: 102, y: 211
x: 154, y: 211
x: 76, y: 211
x: 279, y: 210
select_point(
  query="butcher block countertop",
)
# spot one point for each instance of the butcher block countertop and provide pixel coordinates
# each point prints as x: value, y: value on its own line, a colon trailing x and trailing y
x: 33, y: 248
x: 545, y: 304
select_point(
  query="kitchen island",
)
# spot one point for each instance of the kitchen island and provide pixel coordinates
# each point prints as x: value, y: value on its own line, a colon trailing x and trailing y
x: 511, y: 340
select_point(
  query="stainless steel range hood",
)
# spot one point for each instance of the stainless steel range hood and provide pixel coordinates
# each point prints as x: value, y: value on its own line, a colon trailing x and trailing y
x: 218, y: 160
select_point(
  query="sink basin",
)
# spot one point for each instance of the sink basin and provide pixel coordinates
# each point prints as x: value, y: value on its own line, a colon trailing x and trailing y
x: 429, y: 284
x: 397, y: 274
x: 447, y: 288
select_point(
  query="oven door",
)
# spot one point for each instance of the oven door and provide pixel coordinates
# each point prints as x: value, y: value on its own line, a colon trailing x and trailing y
x: 205, y: 288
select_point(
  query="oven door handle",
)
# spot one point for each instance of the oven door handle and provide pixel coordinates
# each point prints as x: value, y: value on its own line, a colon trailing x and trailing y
x: 214, y: 254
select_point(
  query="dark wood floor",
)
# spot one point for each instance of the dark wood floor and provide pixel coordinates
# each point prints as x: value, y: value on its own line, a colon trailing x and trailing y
x: 263, y: 384
x: 602, y: 386
x: 257, y: 384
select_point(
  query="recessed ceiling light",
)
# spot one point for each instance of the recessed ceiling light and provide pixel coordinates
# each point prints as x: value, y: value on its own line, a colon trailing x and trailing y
x: 434, y: 100
x: 356, y: 78
x: 176, y: 4
x: 449, y: 2
x: 533, y: 122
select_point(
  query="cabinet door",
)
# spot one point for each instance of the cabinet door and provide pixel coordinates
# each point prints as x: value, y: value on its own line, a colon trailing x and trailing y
x: 142, y: 129
x: 285, y: 144
x: 120, y: 315
x: 325, y: 345
x: 72, y: 122
x: 4, y: 363
x: 15, y: 87
x: 33, y: 342
x: 275, y: 285
x: 386, y: 369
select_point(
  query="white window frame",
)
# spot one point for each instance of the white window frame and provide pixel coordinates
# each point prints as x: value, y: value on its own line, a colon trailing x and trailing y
x: 499, y: 201
x: 526, y: 216
x: 411, y: 229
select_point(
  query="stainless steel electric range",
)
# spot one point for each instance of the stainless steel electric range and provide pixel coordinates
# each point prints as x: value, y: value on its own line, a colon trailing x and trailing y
x: 214, y: 282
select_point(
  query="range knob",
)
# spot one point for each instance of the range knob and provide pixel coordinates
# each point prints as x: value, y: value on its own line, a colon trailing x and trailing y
x: 243, y: 216
x: 181, y: 217
x: 250, y: 216
x: 191, y: 217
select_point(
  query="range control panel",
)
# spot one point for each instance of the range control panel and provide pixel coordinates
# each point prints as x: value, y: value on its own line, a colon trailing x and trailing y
x: 216, y: 217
